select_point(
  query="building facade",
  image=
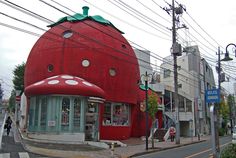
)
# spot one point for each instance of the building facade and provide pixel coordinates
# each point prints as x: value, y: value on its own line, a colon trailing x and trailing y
x: 144, y: 60
x: 192, y: 82
x: 81, y: 83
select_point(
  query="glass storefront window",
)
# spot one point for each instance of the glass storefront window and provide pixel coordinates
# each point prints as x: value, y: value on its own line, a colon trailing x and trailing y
x: 77, y: 104
x: 36, y: 118
x: 65, y: 113
x: 116, y: 114
x: 43, y: 115
x: 91, y: 125
x: 107, y: 114
x: 62, y: 114
x: 120, y: 114
x: 32, y: 117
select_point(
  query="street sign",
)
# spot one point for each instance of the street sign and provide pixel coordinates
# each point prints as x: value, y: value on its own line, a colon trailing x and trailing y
x: 18, y: 98
x: 212, y: 96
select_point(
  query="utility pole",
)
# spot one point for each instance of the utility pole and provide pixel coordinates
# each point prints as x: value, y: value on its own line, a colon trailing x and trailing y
x: 217, y: 108
x: 176, y: 51
x: 176, y: 98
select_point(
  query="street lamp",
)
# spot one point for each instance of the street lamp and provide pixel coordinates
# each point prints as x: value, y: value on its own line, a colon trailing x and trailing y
x: 146, y: 77
x: 227, y: 58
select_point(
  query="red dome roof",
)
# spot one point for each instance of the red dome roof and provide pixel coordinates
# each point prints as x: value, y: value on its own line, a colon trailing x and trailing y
x: 64, y: 84
x: 110, y: 62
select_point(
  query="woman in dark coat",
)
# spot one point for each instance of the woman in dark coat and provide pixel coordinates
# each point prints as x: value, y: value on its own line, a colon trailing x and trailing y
x: 8, y: 124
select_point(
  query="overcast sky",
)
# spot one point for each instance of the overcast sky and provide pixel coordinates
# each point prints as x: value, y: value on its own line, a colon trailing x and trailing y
x: 211, y: 24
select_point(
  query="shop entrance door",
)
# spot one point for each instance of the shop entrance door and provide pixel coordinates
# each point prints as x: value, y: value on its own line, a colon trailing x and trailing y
x: 91, y: 126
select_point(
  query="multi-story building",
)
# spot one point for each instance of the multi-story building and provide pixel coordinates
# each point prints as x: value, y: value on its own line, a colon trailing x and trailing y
x: 194, y: 75
x: 208, y: 82
x: 144, y: 61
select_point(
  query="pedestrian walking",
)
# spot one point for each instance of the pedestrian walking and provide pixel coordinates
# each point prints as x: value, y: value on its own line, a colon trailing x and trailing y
x: 8, y: 124
x: 172, y: 133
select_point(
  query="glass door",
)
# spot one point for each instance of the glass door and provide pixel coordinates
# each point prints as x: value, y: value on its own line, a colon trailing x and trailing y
x: 91, y: 125
x: 65, y: 114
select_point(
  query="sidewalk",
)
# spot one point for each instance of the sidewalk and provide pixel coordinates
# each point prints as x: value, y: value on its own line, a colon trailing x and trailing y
x: 139, y: 149
x: 133, y: 146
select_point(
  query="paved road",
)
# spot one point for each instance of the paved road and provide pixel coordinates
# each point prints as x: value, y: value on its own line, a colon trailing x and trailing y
x: 11, y: 148
x: 199, y: 150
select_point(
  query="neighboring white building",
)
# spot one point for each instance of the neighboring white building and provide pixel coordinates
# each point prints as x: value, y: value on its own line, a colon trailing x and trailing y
x: 194, y: 75
x: 143, y: 61
x: 208, y: 82
x: 144, y: 65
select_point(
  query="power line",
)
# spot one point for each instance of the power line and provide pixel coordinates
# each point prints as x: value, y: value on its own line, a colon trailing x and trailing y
x: 134, y: 15
x: 202, y: 28
x: 152, y: 56
x: 128, y: 23
x: 153, y: 11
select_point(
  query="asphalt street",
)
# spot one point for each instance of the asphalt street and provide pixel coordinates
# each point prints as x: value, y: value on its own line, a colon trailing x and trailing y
x: 198, y: 150
x: 12, y: 149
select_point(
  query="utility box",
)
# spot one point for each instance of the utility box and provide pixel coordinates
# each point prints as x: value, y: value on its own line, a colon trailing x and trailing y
x: 177, y: 49
x: 222, y: 77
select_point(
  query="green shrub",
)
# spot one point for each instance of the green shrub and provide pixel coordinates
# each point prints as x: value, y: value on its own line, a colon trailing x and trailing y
x: 229, y: 151
x: 221, y: 132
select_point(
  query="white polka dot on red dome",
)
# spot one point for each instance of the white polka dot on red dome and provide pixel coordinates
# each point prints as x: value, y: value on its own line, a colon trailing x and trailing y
x: 53, y: 82
x: 52, y: 77
x: 87, y: 83
x: 78, y: 78
x: 67, y: 77
x: 71, y: 82
x: 39, y: 83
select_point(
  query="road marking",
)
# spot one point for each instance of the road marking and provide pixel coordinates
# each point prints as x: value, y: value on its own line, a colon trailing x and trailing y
x: 23, y: 155
x: 204, y: 151
x: 5, y: 155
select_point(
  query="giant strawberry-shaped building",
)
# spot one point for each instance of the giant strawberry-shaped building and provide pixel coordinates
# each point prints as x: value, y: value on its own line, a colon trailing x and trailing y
x: 81, y: 82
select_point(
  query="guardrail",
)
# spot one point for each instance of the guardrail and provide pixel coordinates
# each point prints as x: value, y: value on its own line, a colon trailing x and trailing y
x: 2, y: 130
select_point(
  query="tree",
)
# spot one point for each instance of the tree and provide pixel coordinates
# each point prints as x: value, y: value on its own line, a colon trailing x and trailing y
x: 224, y: 112
x: 231, y: 102
x: 12, y: 101
x: 152, y: 110
x: 18, y: 78
x: 18, y: 84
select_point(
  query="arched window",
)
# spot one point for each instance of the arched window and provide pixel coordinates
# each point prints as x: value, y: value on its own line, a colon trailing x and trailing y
x: 77, y: 114
x: 65, y: 113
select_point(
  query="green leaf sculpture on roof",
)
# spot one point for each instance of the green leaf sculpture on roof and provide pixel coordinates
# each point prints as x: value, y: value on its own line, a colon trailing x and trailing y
x: 80, y: 17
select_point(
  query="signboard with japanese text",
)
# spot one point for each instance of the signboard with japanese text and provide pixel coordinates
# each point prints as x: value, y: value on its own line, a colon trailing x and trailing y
x: 212, y: 96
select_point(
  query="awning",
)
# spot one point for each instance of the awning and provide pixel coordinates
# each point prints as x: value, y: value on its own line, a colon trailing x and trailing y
x: 66, y: 85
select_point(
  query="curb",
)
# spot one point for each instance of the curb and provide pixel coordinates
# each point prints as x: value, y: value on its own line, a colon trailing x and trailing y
x: 167, y: 148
